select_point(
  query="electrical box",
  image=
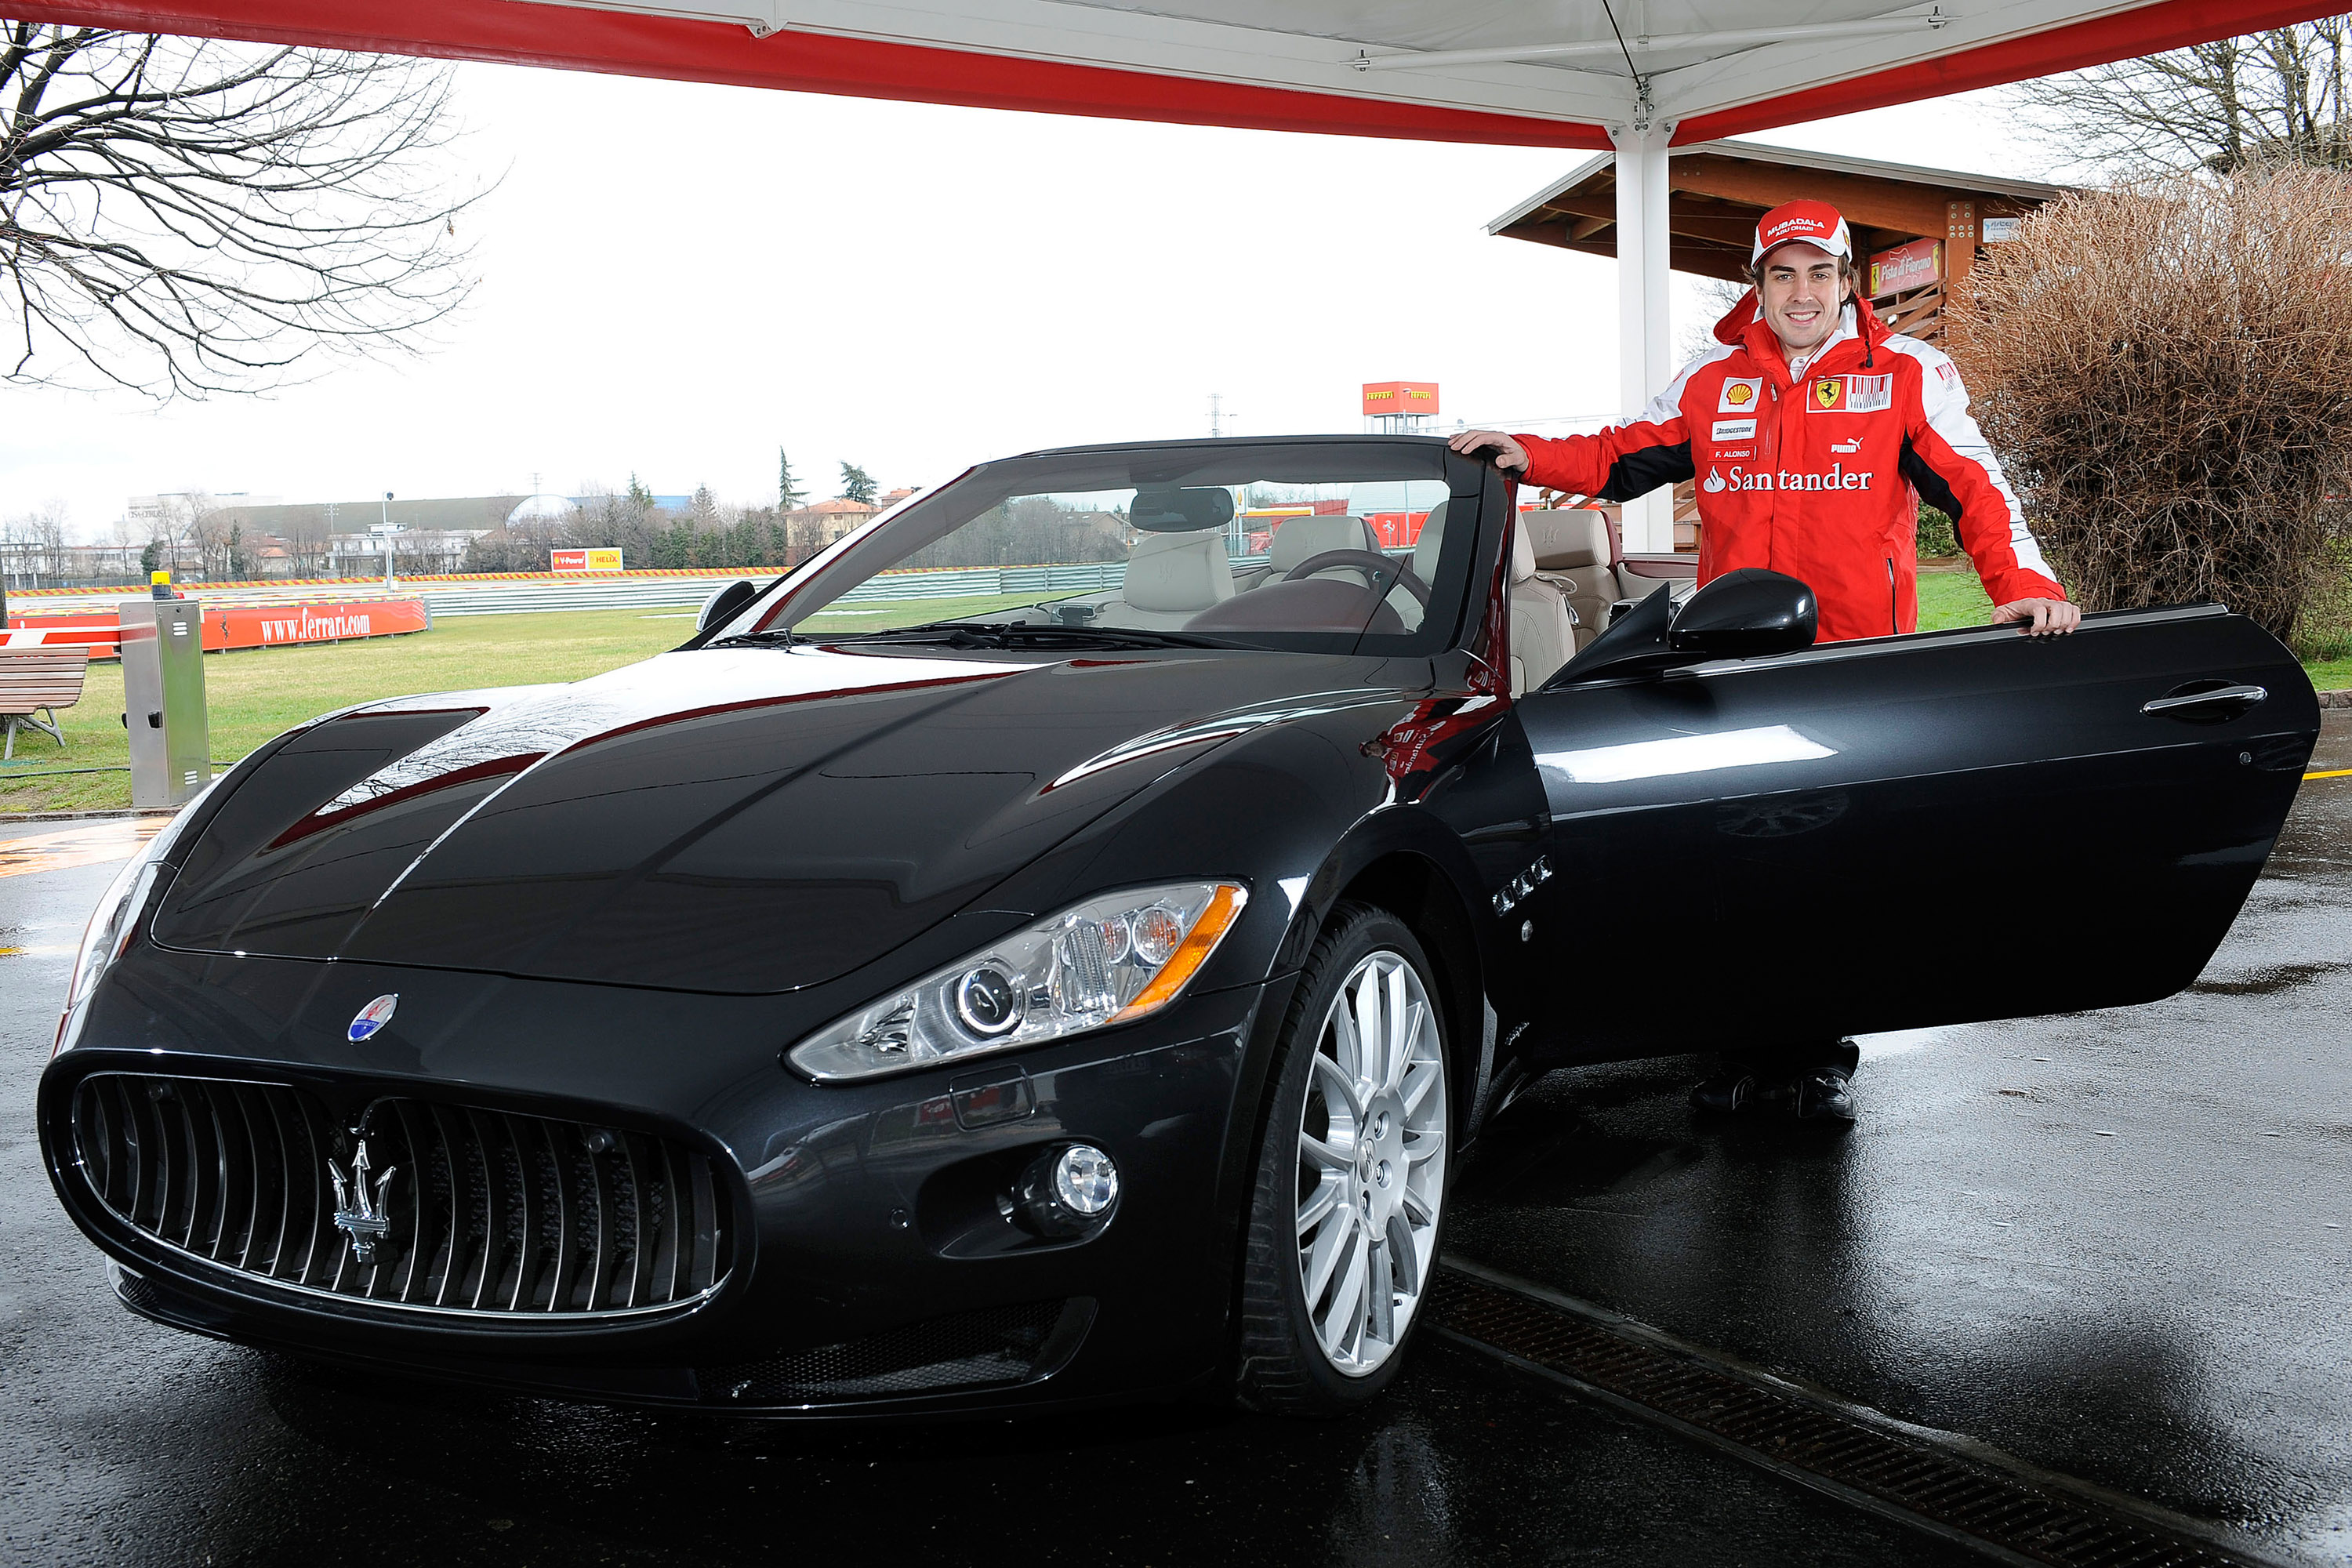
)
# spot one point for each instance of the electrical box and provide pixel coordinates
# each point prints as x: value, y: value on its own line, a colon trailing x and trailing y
x: 164, y: 699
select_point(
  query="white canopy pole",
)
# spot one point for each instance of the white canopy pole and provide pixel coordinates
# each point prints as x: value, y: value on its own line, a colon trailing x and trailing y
x: 1645, y: 323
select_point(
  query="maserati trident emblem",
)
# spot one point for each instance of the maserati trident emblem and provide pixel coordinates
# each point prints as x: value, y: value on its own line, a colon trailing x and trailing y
x: 359, y: 1211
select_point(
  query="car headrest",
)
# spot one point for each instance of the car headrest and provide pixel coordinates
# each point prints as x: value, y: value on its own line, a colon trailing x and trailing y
x: 1300, y: 537
x: 1574, y: 536
x: 1173, y: 572
x: 1523, y: 552
x: 1180, y: 511
x: 1430, y: 542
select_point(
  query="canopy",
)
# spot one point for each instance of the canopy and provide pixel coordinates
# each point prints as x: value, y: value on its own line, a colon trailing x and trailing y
x: 1632, y: 75
x: 1472, y: 71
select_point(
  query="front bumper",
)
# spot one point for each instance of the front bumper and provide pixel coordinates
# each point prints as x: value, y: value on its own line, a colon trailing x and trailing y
x: 873, y: 1267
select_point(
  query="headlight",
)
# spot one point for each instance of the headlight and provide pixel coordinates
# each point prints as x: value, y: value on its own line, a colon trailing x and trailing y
x: 113, y: 923
x: 1110, y: 959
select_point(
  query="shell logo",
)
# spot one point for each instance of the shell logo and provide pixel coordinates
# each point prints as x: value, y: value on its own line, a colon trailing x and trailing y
x: 1714, y: 485
x: 1738, y: 395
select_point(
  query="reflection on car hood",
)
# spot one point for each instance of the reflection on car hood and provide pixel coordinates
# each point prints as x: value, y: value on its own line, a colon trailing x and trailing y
x: 741, y: 820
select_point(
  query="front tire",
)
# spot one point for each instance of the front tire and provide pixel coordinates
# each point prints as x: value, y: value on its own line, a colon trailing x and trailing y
x: 1353, y: 1161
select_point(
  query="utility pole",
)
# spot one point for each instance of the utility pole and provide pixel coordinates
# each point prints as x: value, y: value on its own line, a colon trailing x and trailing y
x: 1217, y: 412
x: 386, y: 531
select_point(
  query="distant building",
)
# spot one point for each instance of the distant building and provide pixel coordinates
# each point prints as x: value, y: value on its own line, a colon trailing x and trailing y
x: 892, y: 498
x: 829, y: 520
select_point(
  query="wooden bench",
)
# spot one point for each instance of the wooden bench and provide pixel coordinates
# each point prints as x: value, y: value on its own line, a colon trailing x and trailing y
x: 38, y: 680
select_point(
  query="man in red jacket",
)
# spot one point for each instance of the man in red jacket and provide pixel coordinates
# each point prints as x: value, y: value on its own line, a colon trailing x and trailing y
x: 1814, y: 434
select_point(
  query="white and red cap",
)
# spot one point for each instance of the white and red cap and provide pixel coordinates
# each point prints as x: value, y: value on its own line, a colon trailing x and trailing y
x: 1813, y: 223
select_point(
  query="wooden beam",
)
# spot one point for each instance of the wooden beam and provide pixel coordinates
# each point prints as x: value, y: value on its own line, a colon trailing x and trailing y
x: 1879, y: 204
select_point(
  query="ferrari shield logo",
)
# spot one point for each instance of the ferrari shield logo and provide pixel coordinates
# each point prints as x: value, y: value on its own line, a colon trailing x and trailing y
x: 1829, y: 392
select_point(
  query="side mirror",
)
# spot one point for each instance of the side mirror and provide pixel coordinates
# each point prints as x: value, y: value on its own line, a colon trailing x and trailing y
x: 1741, y: 615
x: 721, y: 606
x: 1747, y: 614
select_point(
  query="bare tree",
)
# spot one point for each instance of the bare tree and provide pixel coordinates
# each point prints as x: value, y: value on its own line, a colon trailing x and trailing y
x: 185, y: 217
x: 2268, y: 96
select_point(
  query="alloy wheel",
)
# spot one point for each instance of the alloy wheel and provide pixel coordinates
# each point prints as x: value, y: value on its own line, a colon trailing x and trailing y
x: 1371, y: 1165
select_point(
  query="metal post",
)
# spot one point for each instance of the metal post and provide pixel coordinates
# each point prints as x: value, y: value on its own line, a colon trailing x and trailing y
x: 1645, y: 308
x: 386, y: 531
x: 163, y: 643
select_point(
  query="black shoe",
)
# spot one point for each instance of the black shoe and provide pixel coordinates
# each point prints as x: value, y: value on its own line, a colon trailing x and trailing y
x: 1725, y: 1092
x: 1823, y: 1097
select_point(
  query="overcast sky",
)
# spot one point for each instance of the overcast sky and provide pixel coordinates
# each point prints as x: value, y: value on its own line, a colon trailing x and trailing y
x: 675, y: 280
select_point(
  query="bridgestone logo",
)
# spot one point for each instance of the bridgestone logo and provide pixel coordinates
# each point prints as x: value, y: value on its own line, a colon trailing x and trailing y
x: 1837, y: 478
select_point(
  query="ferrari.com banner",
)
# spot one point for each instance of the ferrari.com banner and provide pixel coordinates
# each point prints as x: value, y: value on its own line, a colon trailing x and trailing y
x: 238, y: 625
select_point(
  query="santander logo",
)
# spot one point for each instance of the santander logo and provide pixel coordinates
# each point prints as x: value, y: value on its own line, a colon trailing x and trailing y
x: 1836, y: 478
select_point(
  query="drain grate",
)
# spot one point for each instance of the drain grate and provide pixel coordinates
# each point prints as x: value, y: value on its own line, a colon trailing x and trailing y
x: 1814, y: 1442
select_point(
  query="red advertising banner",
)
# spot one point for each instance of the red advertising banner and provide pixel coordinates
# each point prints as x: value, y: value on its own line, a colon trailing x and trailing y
x: 599, y: 559
x: 238, y: 625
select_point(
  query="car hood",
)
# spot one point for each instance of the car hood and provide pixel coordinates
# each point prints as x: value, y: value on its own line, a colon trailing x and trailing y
x: 733, y: 820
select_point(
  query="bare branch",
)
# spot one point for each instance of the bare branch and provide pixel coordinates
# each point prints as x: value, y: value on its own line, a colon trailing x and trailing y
x: 185, y: 217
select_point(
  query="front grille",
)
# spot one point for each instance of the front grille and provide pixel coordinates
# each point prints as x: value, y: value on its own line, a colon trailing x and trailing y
x: 488, y: 1212
x: 992, y: 1347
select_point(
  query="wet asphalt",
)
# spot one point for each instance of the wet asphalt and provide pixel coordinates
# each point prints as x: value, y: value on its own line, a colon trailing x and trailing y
x: 2115, y: 1245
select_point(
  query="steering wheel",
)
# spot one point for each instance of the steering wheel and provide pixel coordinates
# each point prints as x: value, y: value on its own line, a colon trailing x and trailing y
x: 1364, y: 561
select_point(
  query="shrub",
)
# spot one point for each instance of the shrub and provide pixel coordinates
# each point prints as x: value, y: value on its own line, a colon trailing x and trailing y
x: 1938, y: 537
x: 2167, y: 373
x: 2323, y: 630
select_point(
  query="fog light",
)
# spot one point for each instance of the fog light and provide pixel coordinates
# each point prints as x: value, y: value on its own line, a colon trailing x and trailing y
x: 1065, y: 1191
x: 1085, y: 1180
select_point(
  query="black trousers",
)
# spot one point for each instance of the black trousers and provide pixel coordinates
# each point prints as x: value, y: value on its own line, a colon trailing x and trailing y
x: 1788, y: 1062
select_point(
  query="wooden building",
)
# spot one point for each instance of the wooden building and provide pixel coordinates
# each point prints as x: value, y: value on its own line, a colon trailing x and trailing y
x: 1915, y: 231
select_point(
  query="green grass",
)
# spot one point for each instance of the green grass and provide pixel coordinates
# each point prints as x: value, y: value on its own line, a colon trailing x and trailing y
x: 1948, y: 599
x: 2330, y: 674
x: 255, y: 694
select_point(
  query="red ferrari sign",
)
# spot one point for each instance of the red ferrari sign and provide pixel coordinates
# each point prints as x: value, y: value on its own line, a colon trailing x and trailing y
x: 239, y: 625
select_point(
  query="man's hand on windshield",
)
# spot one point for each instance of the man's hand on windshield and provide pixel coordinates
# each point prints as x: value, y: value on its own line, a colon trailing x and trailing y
x: 2049, y: 617
x: 1505, y: 454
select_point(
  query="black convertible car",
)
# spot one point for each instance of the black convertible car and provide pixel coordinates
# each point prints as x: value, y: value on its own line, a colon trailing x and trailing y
x: 1049, y: 946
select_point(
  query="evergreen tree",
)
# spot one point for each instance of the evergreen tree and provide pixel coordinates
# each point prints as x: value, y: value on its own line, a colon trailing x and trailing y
x: 788, y: 489
x: 858, y: 485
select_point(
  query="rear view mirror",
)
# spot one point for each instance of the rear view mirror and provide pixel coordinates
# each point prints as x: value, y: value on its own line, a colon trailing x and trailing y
x: 720, y: 607
x: 1745, y: 615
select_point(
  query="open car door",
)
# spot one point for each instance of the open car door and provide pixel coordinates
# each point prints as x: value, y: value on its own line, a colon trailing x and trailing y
x: 1903, y: 832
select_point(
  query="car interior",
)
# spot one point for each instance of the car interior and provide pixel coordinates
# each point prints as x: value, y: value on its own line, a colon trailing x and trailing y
x: 1193, y: 562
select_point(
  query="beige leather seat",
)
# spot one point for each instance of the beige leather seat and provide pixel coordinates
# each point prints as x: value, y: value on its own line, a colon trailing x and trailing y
x: 1426, y: 547
x: 1543, y: 629
x: 1171, y: 578
x: 1574, y: 543
x: 1300, y: 538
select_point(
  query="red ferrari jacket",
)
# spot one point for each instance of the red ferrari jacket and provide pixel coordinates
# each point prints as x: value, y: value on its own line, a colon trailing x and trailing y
x: 1823, y: 478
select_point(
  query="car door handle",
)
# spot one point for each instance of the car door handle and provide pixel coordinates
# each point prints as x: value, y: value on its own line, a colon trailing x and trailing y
x: 2187, y: 706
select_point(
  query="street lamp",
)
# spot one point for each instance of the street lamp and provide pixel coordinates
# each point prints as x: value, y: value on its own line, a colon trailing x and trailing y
x: 384, y: 530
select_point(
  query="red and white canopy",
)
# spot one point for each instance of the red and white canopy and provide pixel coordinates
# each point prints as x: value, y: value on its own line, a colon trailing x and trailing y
x: 1468, y: 70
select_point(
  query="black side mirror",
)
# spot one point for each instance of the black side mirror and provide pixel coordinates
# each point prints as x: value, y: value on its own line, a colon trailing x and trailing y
x: 1745, y: 615
x: 720, y: 607
x: 1741, y: 615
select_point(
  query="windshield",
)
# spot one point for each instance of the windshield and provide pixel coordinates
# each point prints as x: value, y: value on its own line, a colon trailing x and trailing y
x: 1330, y: 546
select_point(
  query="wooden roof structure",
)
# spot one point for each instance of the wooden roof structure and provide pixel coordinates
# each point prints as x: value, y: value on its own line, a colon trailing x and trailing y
x: 1717, y: 191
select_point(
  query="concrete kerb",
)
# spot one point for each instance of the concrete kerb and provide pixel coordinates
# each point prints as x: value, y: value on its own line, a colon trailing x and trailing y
x: 8, y: 818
